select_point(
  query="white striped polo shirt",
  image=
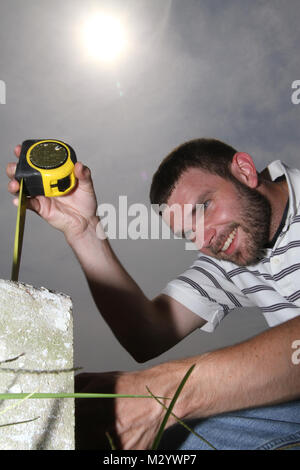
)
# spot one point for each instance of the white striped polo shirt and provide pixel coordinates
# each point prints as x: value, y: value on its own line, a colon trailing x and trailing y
x: 212, y: 288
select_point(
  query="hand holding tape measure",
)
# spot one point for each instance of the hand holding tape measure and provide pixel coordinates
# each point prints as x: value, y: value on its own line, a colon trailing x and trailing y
x: 46, y: 167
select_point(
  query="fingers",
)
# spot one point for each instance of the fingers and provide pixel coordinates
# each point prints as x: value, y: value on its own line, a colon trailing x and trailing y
x: 13, y: 185
x: 32, y: 204
x: 11, y: 169
x: 83, y: 174
x: 17, y: 150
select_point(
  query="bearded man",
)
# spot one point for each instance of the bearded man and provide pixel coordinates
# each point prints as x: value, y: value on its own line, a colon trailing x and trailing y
x: 245, y: 396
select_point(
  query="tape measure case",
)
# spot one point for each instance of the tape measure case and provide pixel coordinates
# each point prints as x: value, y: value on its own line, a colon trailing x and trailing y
x: 46, y: 167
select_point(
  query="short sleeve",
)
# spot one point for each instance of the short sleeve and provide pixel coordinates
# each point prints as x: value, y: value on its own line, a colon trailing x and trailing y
x: 207, y: 291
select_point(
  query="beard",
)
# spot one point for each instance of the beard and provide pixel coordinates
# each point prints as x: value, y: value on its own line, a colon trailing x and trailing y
x: 255, y: 220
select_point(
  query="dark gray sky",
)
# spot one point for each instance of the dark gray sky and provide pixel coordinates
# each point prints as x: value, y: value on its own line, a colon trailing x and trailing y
x: 218, y: 68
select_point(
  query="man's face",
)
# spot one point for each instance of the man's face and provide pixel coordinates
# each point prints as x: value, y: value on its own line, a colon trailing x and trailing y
x: 236, y: 217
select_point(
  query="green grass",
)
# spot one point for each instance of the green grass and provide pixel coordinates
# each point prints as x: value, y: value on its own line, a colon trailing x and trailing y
x: 21, y: 397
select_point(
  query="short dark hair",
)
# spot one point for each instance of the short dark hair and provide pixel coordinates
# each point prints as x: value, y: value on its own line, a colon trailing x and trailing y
x: 208, y: 154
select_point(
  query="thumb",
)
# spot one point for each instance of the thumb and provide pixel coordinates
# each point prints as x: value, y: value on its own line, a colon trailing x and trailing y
x: 83, y: 175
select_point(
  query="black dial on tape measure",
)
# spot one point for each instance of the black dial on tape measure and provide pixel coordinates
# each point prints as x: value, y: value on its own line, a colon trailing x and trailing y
x: 48, y: 155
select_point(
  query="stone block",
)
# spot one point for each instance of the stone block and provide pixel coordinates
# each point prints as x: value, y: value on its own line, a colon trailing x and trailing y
x: 36, y: 327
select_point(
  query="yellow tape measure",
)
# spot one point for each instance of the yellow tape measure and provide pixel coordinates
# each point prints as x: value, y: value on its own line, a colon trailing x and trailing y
x: 19, y: 234
x: 46, y: 167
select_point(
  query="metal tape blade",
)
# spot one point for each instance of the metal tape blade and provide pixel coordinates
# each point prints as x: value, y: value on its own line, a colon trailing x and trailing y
x: 19, y: 233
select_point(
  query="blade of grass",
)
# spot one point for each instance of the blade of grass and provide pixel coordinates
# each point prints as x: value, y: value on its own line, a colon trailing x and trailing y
x: 111, y: 443
x: 12, y: 359
x: 170, y: 408
x: 20, y: 396
x: 295, y: 444
x: 181, y: 422
x: 19, y: 422
x: 37, y: 372
x: 25, y: 397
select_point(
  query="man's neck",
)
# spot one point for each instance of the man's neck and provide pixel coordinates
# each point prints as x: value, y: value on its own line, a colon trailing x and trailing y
x: 277, y: 194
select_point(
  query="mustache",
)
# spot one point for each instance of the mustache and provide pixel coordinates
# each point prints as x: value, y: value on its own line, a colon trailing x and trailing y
x: 216, y: 248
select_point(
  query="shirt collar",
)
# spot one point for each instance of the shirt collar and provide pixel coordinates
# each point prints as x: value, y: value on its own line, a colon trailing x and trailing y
x: 278, y: 168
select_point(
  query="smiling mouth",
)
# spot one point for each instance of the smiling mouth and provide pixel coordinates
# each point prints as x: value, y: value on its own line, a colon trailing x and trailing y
x: 229, y: 240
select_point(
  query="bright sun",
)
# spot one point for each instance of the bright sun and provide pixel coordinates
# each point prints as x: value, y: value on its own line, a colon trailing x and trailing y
x: 104, y: 37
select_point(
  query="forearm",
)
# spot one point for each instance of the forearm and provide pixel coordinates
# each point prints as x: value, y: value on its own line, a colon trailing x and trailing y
x: 121, y: 302
x: 256, y: 372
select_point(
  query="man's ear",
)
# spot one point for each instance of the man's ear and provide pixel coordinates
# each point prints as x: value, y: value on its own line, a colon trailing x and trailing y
x: 243, y: 169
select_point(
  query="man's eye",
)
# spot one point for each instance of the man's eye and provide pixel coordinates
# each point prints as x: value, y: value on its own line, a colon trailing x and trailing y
x: 206, y: 204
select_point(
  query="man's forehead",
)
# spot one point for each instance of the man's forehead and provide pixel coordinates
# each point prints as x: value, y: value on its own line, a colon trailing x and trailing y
x: 193, y: 179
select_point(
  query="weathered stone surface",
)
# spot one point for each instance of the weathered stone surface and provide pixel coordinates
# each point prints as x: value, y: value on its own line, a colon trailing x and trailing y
x: 36, y: 324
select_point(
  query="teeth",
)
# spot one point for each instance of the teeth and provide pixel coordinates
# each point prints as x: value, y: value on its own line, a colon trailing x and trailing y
x: 229, y: 240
